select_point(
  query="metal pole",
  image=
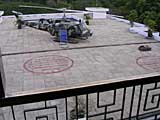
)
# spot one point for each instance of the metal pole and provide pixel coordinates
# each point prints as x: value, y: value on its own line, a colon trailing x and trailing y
x: 13, y: 114
x: 1, y: 88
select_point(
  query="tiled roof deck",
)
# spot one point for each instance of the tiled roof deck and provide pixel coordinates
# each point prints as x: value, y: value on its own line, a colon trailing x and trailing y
x: 111, y: 52
x: 33, y: 61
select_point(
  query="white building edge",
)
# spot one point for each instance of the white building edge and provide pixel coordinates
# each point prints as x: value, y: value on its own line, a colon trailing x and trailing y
x: 1, y: 13
x: 97, y: 9
x: 98, y: 12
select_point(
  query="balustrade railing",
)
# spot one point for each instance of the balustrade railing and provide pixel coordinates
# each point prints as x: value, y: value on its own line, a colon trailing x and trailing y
x: 135, y: 98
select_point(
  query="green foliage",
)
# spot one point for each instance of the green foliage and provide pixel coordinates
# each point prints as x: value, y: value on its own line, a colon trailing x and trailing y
x: 81, y: 4
x: 132, y: 16
x: 60, y: 4
x: 158, y: 18
x: 150, y: 23
x: 63, y: 5
x: 9, y: 7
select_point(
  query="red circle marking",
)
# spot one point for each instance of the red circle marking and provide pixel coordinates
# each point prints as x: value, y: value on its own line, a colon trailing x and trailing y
x: 48, y: 64
x: 149, y: 63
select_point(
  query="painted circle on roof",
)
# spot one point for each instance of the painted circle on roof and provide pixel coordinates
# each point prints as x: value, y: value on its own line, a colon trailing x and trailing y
x: 48, y: 64
x: 151, y: 63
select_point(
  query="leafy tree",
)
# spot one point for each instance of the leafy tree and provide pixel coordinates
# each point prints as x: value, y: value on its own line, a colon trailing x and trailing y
x: 132, y: 17
x: 151, y: 26
x: 132, y: 4
x: 140, y: 6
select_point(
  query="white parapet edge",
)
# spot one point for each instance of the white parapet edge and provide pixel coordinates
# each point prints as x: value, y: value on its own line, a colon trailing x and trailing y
x: 138, y: 28
x: 1, y: 19
x: 1, y: 13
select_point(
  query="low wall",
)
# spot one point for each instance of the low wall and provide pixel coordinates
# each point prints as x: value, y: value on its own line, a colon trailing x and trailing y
x: 1, y: 13
x: 139, y: 28
x: 2, y: 78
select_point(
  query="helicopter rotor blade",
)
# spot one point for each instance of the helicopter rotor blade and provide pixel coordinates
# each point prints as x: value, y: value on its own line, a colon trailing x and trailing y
x: 40, y: 7
x: 49, y: 8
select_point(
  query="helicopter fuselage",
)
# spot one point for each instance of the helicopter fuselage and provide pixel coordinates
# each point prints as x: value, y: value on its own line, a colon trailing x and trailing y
x: 76, y: 29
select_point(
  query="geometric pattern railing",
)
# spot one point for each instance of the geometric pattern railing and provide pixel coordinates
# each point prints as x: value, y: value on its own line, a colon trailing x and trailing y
x: 131, y: 99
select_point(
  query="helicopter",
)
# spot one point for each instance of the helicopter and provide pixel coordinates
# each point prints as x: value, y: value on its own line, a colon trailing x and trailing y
x: 75, y: 28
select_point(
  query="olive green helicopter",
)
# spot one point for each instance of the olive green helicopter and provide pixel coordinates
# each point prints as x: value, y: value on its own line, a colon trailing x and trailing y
x: 74, y: 27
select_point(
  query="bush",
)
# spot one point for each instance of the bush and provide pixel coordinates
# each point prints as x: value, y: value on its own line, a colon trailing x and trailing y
x: 132, y: 17
x: 151, y: 24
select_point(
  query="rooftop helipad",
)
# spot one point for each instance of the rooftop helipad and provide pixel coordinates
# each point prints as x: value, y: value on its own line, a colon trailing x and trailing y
x: 32, y: 60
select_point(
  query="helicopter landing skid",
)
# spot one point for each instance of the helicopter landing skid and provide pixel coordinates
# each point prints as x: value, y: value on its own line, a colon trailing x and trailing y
x: 71, y: 40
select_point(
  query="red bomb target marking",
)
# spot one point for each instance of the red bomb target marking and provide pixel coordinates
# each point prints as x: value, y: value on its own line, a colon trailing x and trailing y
x: 151, y: 63
x: 48, y: 64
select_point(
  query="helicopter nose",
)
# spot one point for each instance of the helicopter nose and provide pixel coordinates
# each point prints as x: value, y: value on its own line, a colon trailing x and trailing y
x: 91, y: 33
